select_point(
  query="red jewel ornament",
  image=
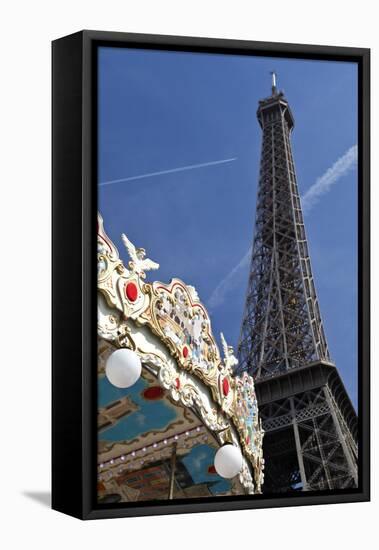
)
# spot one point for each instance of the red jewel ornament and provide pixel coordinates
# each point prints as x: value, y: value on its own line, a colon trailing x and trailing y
x: 185, y: 352
x: 177, y: 383
x: 247, y: 440
x: 131, y: 292
x: 225, y: 386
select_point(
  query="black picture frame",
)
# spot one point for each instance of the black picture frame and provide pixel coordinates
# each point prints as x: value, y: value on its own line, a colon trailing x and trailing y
x: 74, y: 202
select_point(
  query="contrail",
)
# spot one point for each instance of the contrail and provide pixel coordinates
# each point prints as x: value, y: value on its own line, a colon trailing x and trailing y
x: 170, y: 171
x: 322, y: 185
x: 218, y: 295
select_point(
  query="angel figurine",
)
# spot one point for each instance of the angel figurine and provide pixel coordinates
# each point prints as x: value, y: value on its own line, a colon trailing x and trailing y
x: 138, y: 264
x: 230, y: 360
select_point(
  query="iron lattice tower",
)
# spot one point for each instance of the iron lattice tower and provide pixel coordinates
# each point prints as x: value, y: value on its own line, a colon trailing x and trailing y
x: 310, y: 423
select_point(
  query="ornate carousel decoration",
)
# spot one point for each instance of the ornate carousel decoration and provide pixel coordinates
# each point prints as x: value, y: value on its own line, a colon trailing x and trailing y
x: 165, y: 330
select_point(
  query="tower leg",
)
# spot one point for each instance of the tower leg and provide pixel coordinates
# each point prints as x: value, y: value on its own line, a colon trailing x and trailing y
x: 346, y: 450
x: 298, y: 446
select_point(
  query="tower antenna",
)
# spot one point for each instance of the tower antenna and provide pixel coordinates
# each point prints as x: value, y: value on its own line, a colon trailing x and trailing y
x: 273, y: 82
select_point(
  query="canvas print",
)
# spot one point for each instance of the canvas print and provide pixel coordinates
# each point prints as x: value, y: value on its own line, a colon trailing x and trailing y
x: 227, y: 276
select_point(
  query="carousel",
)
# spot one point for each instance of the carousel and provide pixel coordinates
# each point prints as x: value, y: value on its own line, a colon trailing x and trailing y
x: 173, y: 420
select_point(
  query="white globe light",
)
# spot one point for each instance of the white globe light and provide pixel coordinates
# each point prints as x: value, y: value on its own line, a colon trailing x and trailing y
x: 123, y: 368
x: 228, y: 461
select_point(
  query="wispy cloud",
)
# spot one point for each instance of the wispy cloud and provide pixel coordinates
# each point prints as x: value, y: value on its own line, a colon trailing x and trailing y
x: 169, y: 171
x: 228, y: 283
x: 321, y: 186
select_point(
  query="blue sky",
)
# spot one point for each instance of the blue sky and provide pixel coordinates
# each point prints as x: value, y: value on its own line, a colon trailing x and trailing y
x: 164, y: 110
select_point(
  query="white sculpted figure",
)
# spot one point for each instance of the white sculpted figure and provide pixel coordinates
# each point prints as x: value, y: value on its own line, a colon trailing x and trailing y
x: 193, y: 293
x: 138, y: 263
x: 230, y: 359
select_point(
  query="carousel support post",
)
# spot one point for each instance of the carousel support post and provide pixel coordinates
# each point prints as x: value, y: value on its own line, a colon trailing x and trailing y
x: 172, y: 474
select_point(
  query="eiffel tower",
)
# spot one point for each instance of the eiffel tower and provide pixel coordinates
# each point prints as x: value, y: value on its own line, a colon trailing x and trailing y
x: 311, y: 426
